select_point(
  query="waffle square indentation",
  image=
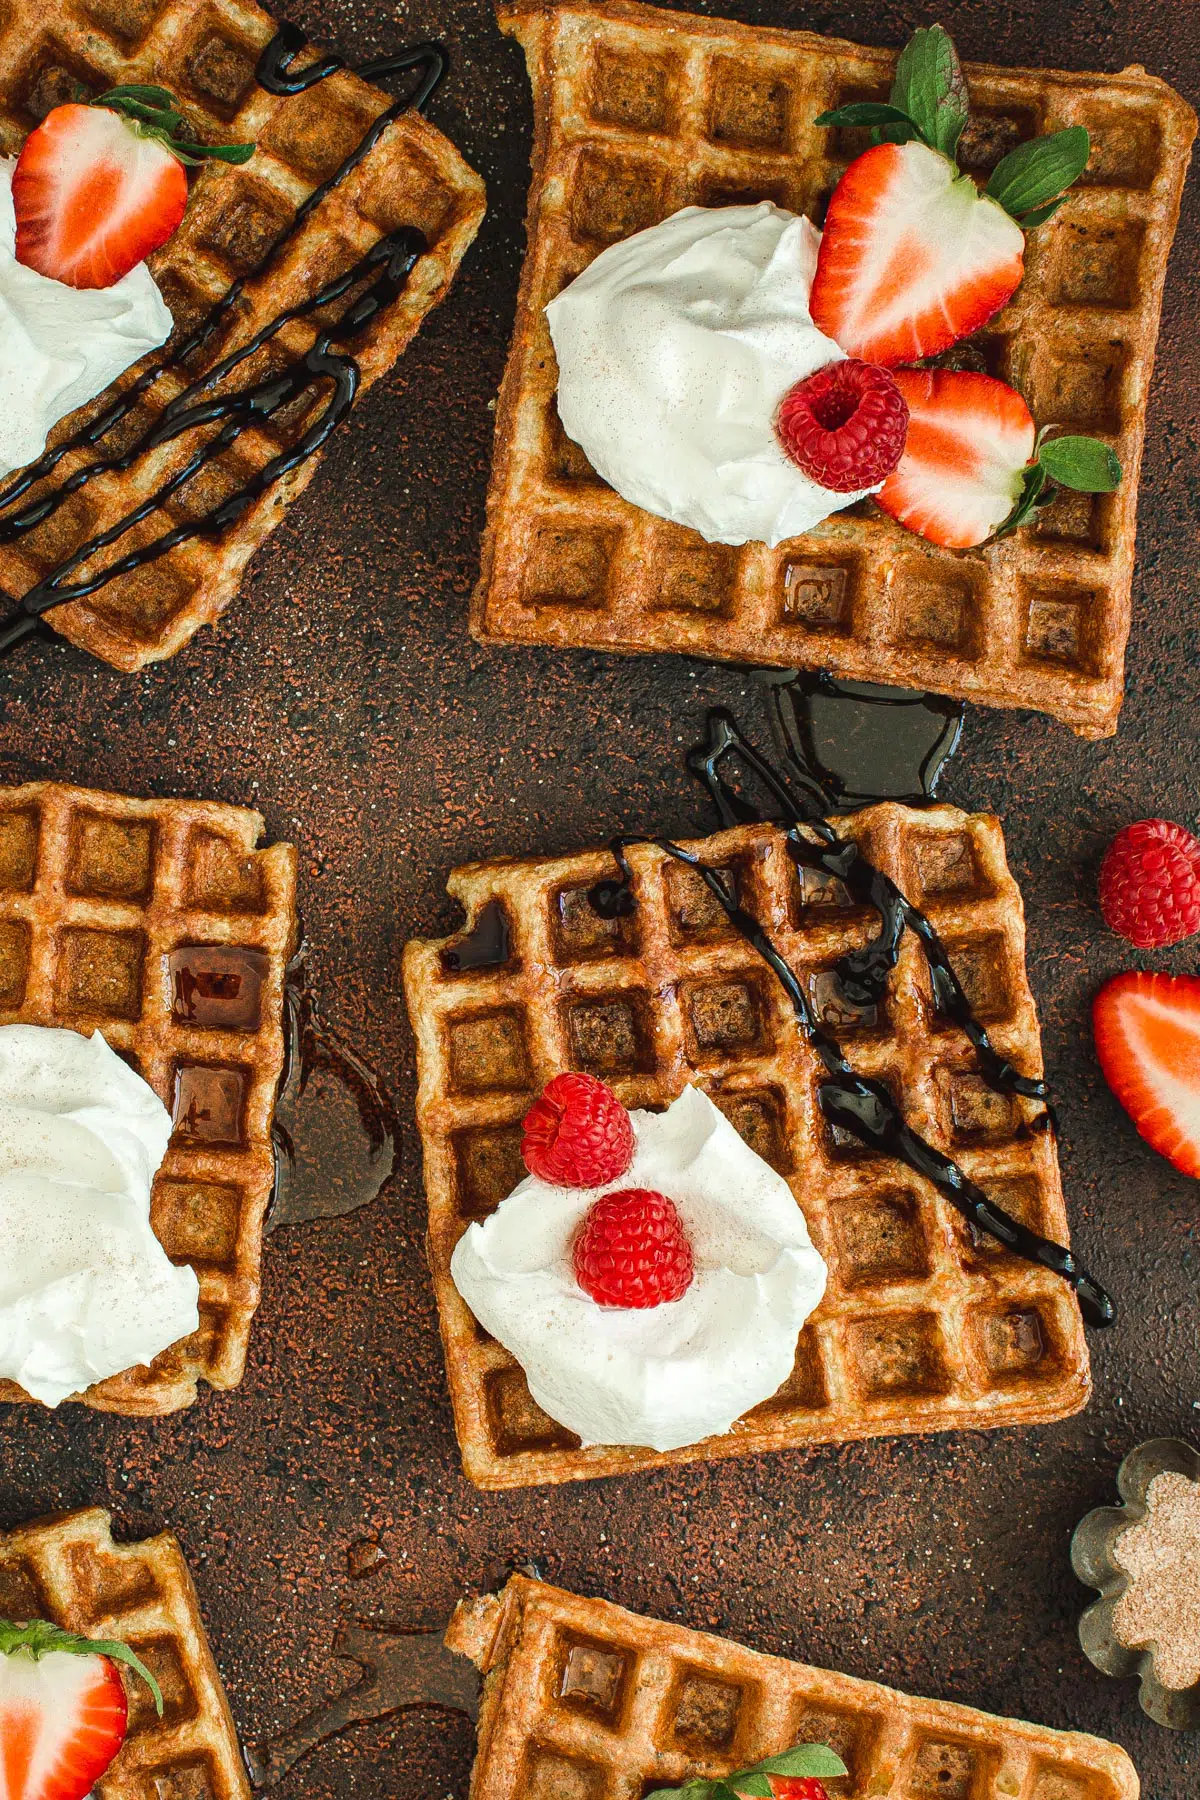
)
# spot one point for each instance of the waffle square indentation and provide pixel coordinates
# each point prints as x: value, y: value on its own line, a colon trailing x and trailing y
x: 197, y: 1221
x: 706, y: 1712
x: 1013, y: 1342
x: 127, y: 21
x: 692, y: 908
x: 568, y: 567
x: 634, y: 90
x: 1053, y: 1783
x: 760, y: 1118
x: 1082, y: 393
x: 1020, y: 1196
x: 981, y: 965
x: 21, y: 1594
x: 59, y: 77
x: 246, y: 224
x: 898, y: 1356
x: 818, y: 596
x: 1126, y: 148
x: 1060, y: 625
x: 111, y: 858
x: 15, y: 942
x: 701, y: 579
x: 1073, y: 518
x: 976, y: 1113
x: 518, y: 1422
x: 488, y: 1052
x: 222, y: 878
x: 854, y: 1736
x: 487, y: 1167
x: 834, y: 1008
x: 611, y: 1036
x: 615, y: 196
x: 217, y: 68
x: 107, y: 1582
x: 100, y: 973
x: 727, y: 1018
x: 746, y: 108
x: 210, y: 1104
x: 946, y: 1771
x: 992, y: 132
x: 549, y: 1776
x: 196, y: 1780
x: 805, y: 1389
x: 217, y: 987
x: 18, y: 849
x: 941, y: 612
x: 944, y: 866
x: 581, y: 933
x: 314, y: 133
x: 593, y: 1676
x: 1098, y: 265
x: 879, y: 1239
x: 162, y: 1657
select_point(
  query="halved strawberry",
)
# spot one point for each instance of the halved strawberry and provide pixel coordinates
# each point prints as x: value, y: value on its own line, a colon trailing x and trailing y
x: 1147, y: 1029
x: 63, y: 1711
x: 913, y: 256
x: 97, y: 187
x: 970, y: 441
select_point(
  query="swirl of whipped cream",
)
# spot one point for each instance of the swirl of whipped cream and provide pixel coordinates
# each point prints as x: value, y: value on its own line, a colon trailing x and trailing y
x: 61, y: 346
x: 660, y: 1376
x: 86, y: 1289
x: 675, y: 348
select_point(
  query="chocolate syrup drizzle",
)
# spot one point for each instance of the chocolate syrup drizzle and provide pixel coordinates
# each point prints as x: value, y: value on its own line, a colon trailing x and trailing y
x: 858, y: 1104
x: 384, y: 269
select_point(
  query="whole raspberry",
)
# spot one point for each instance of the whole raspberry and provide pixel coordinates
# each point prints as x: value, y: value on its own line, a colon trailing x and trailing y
x: 845, y: 426
x: 632, y: 1250
x: 577, y: 1134
x: 1150, y: 884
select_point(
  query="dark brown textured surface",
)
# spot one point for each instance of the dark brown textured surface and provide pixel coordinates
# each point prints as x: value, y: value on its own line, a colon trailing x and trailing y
x: 343, y: 697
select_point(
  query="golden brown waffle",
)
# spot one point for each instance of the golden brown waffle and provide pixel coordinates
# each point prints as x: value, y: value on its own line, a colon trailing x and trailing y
x: 69, y: 1570
x: 98, y: 894
x: 639, y: 112
x: 584, y: 1701
x: 205, y: 51
x: 922, y: 1328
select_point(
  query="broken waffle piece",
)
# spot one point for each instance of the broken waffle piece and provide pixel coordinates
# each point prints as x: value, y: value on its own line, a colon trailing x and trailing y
x: 924, y: 1326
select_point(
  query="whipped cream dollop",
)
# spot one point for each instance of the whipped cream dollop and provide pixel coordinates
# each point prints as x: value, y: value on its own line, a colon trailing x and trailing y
x: 86, y: 1289
x: 61, y: 346
x: 660, y: 1376
x: 675, y: 348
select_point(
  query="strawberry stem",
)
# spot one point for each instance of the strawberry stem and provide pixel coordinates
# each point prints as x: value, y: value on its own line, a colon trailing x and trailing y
x: 152, y: 112
x: 40, y: 1638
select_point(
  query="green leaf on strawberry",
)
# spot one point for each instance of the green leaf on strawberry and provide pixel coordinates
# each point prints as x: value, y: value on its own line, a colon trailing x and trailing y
x: 153, y: 113
x: 803, y: 1760
x: 1083, y: 464
x: 40, y: 1638
x: 1034, y: 176
x: 930, y: 90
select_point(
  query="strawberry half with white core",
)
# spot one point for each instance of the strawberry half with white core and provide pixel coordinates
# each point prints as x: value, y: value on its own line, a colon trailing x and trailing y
x: 99, y: 186
x: 63, y: 1712
x: 973, y: 467
x: 1147, y: 1029
x: 791, y: 1775
x: 913, y: 255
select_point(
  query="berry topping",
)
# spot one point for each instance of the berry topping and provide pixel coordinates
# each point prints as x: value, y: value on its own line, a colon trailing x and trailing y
x: 970, y: 438
x: 97, y: 187
x: 1147, y: 1029
x: 786, y: 1776
x: 844, y: 426
x: 1150, y: 884
x: 577, y: 1134
x: 63, y: 1711
x: 632, y: 1250
x: 797, y: 1787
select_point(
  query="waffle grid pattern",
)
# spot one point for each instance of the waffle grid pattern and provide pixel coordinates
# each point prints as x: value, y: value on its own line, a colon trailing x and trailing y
x: 69, y: 1570
x: 205, y: 51
x: 584, y: 1701
x: 923, y: 1326
x: 96, y: 893
x: 639, y: 112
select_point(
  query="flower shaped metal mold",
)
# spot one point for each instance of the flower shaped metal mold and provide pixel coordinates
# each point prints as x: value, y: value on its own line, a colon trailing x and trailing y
x: 1093, y: 1560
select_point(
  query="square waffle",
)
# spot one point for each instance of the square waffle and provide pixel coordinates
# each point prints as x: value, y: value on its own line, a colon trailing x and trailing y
x: 99, y: 895
x: 923, y: 1326
x: 585, y: 1700
x: 639, y: 112
x: 69, y: 1570
x: 205, y: 51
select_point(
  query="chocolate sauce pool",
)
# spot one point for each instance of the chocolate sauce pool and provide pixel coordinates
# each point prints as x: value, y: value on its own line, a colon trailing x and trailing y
x: 382, y: 274
x: 858, y: 1104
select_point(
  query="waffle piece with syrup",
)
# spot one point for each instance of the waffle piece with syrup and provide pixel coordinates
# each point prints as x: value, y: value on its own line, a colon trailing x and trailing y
x: 924, y: 1326
x: 158, y: 923
x: 638, y: 112
x: 581, y: 1698
x: 238, y: 222
x: 68, y: 1570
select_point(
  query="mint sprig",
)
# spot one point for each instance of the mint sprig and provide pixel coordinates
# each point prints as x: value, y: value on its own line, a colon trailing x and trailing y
x: 1083, y: 464
x: 40, y: 1638
x: 929, y: 104
x: 801, y: 1760
x: 153, y: 113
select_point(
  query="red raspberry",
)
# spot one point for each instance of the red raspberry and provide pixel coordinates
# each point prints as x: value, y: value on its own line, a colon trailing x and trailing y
x: 845, y: 426
x: 577, y: 1134
x: 1150, y: 884
x: 632, y: 1250
x: 797, y: 1787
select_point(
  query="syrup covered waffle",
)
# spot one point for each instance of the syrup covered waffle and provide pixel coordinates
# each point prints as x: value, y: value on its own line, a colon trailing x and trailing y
x: 159, y: 924
x: 638, y: 112
x: 583, y: 1699
x: 205, y: 52
x: 924, y: 1327
x: 69, y: 1570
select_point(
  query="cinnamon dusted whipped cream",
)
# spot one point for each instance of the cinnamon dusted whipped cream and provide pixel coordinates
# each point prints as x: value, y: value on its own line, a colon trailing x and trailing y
x: 661, y: 1376
x: 675, y: 348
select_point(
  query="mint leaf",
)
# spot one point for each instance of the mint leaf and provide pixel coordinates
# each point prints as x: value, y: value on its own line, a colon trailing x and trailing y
x: 751, y: 1784
x: 1031, y: 497
x: 929, y: 87
x: 1040, y: 214
x: 870, y: 113
x: 1082, y: 463
x: 803, y: 1759
x: 1040, y: 171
